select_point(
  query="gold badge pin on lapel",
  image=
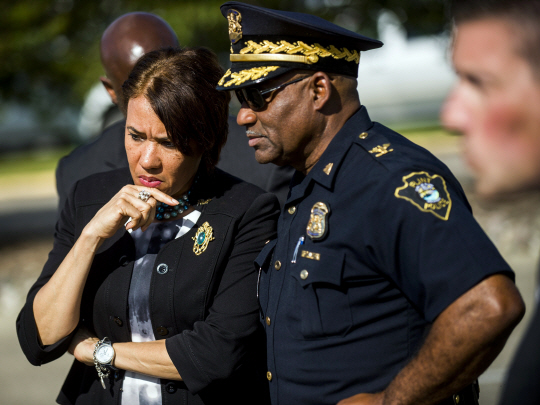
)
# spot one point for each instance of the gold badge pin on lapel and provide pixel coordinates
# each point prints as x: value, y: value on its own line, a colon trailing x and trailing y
x: 318, y: 221
x: 328, y: 168
x: 204, y: 235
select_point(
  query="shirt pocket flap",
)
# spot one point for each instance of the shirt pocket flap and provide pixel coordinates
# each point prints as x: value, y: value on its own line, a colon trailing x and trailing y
x: 265, y: 256
x: 323, y: 266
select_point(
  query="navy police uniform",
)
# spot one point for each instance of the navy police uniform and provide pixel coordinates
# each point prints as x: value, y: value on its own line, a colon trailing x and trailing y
x: 373, y: 243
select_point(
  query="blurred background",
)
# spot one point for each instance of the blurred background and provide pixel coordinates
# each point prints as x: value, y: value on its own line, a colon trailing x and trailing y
x: 51, y: 101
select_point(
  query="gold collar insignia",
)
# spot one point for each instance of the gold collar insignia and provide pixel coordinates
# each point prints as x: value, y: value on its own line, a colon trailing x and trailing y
x: 381, y: 150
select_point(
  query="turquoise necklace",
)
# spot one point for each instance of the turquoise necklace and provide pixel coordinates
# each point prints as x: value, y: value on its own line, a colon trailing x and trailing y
x: 165, y: 211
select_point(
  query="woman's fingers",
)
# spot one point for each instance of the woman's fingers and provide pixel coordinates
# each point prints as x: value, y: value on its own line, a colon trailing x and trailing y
x: 141, y: 212
x: 128, y: 208
x: 151, y: 215
x: 157, y: 195
x: 148, y: 207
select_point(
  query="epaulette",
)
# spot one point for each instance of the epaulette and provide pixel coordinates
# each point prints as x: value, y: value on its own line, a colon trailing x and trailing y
x: 375, y: 143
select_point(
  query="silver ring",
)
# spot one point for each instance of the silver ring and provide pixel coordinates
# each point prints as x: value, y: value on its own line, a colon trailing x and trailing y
x: 144, y: 195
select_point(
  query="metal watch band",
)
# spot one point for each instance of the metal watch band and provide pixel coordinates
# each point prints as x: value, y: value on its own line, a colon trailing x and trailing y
x: 102, y: 370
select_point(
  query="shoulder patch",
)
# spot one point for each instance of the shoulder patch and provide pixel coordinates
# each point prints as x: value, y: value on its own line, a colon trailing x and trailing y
x: 427, y: 193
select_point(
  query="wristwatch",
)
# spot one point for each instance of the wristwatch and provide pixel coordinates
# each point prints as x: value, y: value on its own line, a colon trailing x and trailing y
x: 103, y: 358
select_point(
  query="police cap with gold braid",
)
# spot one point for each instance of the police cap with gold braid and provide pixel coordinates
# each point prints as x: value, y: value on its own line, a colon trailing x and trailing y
x: 267, y: 43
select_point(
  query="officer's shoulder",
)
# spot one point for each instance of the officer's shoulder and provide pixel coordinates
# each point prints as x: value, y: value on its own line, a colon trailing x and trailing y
x: 399, y: 163
x: 393, y: 152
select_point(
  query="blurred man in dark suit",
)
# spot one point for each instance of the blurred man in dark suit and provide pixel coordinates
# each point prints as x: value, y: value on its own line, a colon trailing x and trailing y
x: 122, y: 44
x: 496, y: 106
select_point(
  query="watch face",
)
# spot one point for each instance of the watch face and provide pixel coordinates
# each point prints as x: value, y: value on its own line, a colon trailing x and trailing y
x: 104, y: 354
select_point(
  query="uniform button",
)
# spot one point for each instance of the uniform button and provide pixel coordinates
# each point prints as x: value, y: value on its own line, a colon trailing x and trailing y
x: 304, y: 274
x: 162, y: 331
x: 363, y: 135
x: 118, y: 321
x: 162, y: 268
x: 268, y: 320
x: 292, y: 210
x: 269, y: 376
x: 171, y: 388
x: 123, y: 261
x: 277, y: 265
x: 456, y: 399
x: 267, y: 242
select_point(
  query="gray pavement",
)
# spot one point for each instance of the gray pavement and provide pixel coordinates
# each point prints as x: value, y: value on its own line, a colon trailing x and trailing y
x: 23, y: 384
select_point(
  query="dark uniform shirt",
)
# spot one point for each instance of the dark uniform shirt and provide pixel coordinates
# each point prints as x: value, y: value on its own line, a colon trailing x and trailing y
x: 373, y: 244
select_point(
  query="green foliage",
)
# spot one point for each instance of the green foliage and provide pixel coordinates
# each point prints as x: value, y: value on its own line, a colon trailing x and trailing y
x: 50, y: 48
x: 23, y: 163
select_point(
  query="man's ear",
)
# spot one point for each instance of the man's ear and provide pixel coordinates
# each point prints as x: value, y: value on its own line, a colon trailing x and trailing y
x: 109, y: 87
x: 321, y: 86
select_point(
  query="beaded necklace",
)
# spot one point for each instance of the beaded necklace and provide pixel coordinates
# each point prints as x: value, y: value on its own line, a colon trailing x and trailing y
x: 165, y: 211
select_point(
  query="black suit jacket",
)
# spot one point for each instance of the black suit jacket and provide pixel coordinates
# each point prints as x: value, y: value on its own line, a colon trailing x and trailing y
x: 204, y: 305
x: 108, y: 152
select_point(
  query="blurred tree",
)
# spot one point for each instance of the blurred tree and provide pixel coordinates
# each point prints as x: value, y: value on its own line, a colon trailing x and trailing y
x: 50, y: 48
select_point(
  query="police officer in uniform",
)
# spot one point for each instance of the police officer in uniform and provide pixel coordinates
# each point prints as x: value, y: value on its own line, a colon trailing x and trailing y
x: 380, y: 288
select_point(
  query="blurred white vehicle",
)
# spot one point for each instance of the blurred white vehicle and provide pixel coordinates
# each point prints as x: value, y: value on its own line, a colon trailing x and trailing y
x: 404, y: 83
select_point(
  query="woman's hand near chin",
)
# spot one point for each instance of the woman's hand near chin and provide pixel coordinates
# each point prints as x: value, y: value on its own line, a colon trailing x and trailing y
x: 124, y: 205
x: 57, y: 304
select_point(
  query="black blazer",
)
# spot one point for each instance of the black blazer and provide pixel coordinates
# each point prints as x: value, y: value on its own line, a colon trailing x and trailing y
x: 204, y: 305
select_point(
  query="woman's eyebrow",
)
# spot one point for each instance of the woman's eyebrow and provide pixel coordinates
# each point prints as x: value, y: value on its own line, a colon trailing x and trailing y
x: 135, y: 130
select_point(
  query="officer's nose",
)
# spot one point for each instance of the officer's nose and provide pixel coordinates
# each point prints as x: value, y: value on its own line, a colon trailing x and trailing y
x: 455, y: 114
x: 246, y: 116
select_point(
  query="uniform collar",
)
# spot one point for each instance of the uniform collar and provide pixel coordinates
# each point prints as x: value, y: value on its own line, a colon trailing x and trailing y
x: 325, y: 170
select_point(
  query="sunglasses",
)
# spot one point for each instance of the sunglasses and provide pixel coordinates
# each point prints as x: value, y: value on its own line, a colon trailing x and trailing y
x: 255, y: 99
